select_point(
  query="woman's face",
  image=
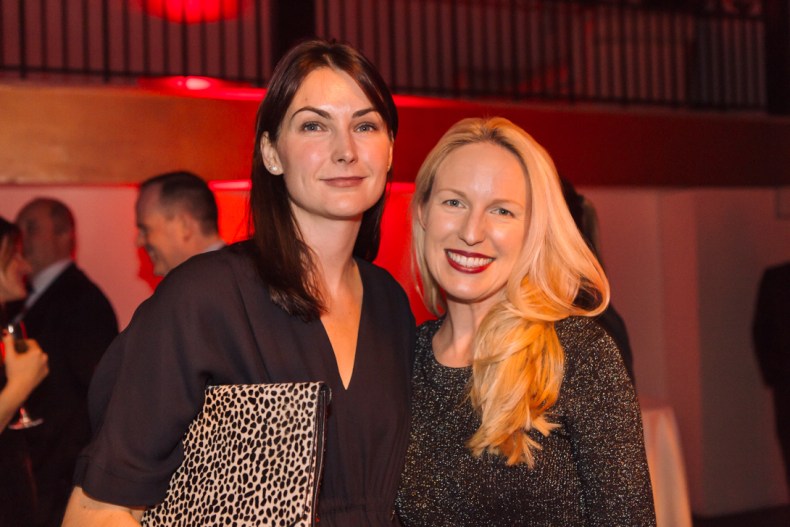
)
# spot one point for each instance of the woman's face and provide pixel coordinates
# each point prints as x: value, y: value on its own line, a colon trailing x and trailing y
x: 475, y: 222
x: 333, y: 149
x: 12, y: 277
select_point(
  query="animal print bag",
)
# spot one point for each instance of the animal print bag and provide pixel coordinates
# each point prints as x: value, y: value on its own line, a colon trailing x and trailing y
x: 252, y: 457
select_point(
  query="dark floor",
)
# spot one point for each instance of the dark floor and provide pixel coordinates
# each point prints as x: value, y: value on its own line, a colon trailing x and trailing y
x: 774, y: 517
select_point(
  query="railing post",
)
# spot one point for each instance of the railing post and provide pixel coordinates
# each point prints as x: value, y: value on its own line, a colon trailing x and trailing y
x: 777, y: 55
x: 292, y: 21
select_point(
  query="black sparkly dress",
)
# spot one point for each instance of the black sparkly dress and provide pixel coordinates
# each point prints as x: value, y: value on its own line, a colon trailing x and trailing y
x: 591, y: 471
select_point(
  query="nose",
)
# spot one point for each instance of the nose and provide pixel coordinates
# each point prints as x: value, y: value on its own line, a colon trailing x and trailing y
x: 345, y: 148
x: 472, y: 230
x: 140, y: 240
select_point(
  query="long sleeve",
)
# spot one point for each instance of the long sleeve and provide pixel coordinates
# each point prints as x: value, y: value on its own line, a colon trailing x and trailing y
x: 604, y: 423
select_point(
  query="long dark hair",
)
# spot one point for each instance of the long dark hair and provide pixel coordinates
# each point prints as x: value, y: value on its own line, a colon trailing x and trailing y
x: 284, y: 261
x: 9, y: 240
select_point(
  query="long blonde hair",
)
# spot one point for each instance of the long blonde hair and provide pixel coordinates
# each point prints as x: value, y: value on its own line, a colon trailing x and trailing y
x: 518, y: 361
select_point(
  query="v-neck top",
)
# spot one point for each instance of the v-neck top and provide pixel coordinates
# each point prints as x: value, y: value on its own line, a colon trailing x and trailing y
x: 211, y: 321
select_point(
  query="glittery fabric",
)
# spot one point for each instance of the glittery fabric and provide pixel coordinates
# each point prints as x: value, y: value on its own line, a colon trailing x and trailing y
x: 590, y: 472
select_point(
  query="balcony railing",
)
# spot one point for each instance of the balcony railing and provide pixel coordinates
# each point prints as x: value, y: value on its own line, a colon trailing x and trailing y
x: 710, y: 56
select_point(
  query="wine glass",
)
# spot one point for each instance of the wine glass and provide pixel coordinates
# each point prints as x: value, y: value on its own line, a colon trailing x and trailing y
x: 17, y: 330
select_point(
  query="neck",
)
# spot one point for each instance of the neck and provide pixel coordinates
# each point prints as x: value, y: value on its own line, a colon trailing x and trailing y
x: 207, y: 241
x: 332, y: 243
x: 453, y: 342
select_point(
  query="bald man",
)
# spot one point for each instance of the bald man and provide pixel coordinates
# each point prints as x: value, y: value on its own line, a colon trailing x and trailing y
x: 74, y: 323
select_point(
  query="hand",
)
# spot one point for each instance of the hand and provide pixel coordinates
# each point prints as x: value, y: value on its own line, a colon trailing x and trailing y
x: 24, y: 371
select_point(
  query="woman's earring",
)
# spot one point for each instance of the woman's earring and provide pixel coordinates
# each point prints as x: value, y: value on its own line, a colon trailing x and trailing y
x: 273, y: 169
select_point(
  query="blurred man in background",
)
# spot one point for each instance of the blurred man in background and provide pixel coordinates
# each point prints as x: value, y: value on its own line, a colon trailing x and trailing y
x: 74, y: 322
x: 176, y: 219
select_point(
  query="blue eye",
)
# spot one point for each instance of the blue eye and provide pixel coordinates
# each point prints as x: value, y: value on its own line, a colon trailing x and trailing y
x: 311, y: 126
x: 367, y: 127
x: 452, y: 202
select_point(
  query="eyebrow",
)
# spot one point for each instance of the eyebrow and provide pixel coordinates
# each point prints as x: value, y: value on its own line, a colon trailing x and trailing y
x: 326, y: 115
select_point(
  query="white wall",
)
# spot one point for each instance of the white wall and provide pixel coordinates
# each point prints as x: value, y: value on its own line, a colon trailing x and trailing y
x: 684, y: 267
x: 106, y: 233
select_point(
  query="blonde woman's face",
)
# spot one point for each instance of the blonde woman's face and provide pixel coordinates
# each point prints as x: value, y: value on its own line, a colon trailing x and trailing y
x: 475, y: 222
x: 12, y: 278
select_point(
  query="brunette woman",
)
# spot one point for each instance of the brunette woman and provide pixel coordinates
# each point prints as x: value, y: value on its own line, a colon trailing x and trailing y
x: 299, y: 302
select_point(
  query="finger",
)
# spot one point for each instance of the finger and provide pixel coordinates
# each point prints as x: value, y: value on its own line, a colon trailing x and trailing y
x: 20, y: 346
x: 8, y: 342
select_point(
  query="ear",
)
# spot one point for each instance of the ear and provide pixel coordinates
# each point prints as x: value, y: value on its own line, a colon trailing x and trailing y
x: 185, y: 224
x: 421, y: 215
x: 269, y: 155
x: 389, y: 160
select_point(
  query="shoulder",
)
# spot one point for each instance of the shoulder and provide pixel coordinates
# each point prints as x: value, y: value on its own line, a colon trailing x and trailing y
x: 73, y: 277
x: 210, y: 273
x: 776, y: 275
x: 382, y: 285
x: 576, y: 330
x: 425, y: 333
x: 377, y: 276
x: 79, y: 287
x: 594, y: 368
x: 586, y: 345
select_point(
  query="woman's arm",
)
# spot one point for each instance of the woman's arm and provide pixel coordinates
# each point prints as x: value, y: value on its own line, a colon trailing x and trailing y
x: 84, y: 511
x: 24, y: 371
x: 606, y: 429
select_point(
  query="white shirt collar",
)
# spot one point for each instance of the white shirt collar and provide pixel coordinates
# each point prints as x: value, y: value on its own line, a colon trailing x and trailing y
x: 44, y: 279
x: 214, y: 246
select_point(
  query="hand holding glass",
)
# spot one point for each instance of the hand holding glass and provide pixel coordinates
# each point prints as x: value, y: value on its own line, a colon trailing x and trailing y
x: 17, y: 331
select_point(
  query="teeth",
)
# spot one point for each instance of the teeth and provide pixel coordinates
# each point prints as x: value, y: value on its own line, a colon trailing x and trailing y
x: 467, y: 261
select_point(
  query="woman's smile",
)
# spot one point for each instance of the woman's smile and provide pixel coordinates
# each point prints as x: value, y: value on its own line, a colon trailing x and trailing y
x: 468, y: 262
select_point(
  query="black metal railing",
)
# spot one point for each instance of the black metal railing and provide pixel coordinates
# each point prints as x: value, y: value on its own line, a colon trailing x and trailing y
x: 704, y: 54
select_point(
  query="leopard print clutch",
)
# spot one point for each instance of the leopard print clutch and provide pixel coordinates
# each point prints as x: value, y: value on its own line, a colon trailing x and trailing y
x: 252, y: 457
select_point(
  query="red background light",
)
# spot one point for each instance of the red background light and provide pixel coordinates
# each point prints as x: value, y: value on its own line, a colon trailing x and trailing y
x: 192, y: 11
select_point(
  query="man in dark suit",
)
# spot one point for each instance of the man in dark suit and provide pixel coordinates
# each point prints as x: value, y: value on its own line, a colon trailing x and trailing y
x: 74, y: 322
x: 771, y: 334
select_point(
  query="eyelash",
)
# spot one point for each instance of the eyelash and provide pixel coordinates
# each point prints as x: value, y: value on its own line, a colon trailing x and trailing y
x: 371, y: 127
x: 311, y: 126
x: 499, y: 211
x: 504, y: 212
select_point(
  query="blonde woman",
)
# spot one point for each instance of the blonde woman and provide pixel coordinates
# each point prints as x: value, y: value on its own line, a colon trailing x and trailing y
x: 522, y: 410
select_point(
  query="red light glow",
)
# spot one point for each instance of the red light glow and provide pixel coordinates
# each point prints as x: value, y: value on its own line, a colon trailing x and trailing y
x: 207, y: 87
x: 193, y: 11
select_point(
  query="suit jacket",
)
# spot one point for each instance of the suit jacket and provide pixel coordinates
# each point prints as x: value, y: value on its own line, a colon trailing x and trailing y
x: 74, y: 323
x: 771, y: 328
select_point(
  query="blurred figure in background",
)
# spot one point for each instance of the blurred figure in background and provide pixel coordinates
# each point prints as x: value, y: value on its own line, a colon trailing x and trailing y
x: 21, y: 372
x: 771, y: 335
x: 586, y: 220
x: 176, y: 219
x: 74, y: 322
